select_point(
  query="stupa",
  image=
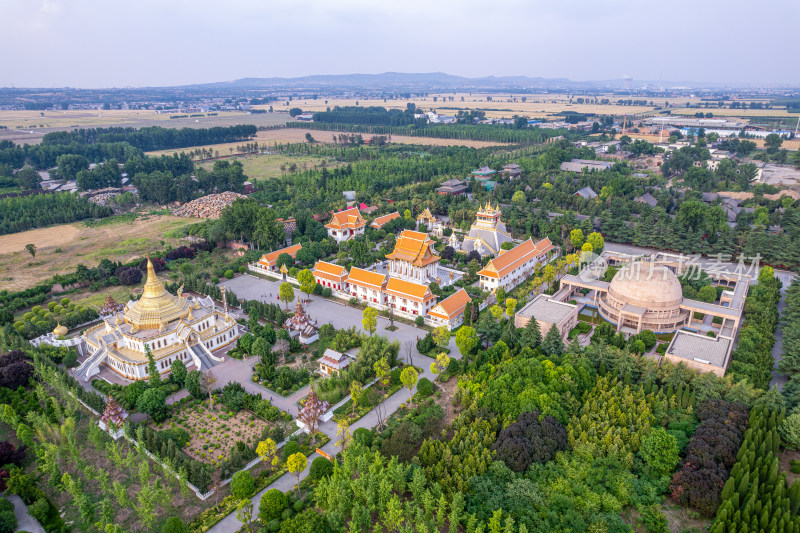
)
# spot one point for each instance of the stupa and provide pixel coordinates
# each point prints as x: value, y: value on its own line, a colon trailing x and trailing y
x: 172, y: 327
x: 300, y: 325
x: 488, y: 233
x: 113, y: 418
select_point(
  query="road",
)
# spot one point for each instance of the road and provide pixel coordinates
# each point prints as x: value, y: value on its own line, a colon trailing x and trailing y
x: 324, y: 311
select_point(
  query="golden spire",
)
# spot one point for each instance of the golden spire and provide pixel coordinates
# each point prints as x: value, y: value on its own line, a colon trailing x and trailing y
x: 153, y: 288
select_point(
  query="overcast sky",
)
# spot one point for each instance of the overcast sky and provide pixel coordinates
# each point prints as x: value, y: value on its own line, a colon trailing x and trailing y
x: 111, y: 43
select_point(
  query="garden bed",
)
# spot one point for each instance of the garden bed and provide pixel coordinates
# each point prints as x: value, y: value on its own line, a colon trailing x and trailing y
x: 213, y: 431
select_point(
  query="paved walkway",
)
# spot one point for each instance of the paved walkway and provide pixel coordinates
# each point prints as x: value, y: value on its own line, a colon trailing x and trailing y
x: 25, y: 522
x: 287, y: 482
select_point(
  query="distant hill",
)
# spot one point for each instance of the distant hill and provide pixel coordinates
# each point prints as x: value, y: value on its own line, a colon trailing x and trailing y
x: 400, y: 80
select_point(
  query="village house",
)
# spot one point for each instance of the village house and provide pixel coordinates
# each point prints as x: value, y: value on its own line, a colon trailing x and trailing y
x: 450, y: 311
x: 379, y: 222
x: 333, y: 362
x: 269, y: 261
x: 346, y: 225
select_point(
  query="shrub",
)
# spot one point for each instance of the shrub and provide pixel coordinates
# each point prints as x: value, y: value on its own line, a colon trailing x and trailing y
x: 790, y: 431
x: 229, y: 274
x: 326, y: 292
x: 320, y: 468
x: 70, y: 359
x: 299, y: 505
x: 794, y: 466
x: 174, y: 524
x: 419, y: 321
x: 363, y: 436
x: 424, y: 387
x: 289, y: 449
x: 272, y: 504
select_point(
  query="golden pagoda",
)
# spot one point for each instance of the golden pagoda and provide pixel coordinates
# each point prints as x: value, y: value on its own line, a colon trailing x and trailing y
x: 156, y: 307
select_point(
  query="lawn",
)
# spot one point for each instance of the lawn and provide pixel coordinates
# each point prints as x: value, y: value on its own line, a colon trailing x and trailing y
x: 59, y: 249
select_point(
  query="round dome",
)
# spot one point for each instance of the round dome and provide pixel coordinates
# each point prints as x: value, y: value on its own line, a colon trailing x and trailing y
x: 647, y: 285
x: 60, y: 331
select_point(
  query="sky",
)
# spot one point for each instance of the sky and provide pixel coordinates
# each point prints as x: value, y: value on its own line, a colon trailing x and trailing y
x: 109, y: 43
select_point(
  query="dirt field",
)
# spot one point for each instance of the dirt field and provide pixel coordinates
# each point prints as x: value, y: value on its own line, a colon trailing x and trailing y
x: 502, y: 105
x: 33, y: 126
x: 747, y: 195
x: 295, y: 135
x: 117, y: 241
x: 736, y: 112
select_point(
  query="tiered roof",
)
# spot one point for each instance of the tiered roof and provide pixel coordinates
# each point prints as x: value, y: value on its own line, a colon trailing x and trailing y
x: 334, y: 359
x: 347, y: 219
x: 110, y: 306
x: 508, y: 260
x: 415, y: 247
x: 113, y: 413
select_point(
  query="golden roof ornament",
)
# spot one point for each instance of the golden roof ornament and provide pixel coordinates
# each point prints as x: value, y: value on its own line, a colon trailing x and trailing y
x: 284, y: 270
x: 60, y: 330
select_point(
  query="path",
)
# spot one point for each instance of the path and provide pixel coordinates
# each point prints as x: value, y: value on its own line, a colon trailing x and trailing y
x: 25, y: 522
x: 288, y: 481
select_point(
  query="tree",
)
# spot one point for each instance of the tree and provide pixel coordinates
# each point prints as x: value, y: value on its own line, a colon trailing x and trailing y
x: 488, y: 329
x: 193, y: 384
x: 466, y: 340
x: 511, y: 307
x: 518, y: 198
x: 442, y: 336
x: 284, y: 260
x: 369, y: 320
x: 343, y: 435
x: 178, y: 372
x: 31, y: 248
x: 553, y: 344
x: 528, y: 440
x: 286, y: 293
x: 576, y: 238
x: 207, y: 385
x: 243, y: 485
x: 442, y: 362
x: 382, y: 373
x: 356, y: 392
x: 154, y: 378
x: 307, y: 282
x: 497, y: 312
x: 408, y: 377
x: 244, y: 513
x: 267, y: 451
x: 272, y: 504
x: 320, y: 468
x: 531, y: 336
x: 28, y: 179
x: 173, y: 524
x: 773, y: 142
x: 597, y: 241
x: 296, y: 464
x: 153, y: 403
x: 660, y: 451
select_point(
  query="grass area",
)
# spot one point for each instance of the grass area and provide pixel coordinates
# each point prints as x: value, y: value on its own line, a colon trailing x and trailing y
x: 61, y: 248
x: 266, y: 166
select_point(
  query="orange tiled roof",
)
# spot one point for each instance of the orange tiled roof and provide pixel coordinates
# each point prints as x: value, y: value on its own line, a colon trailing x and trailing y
x: 409, y: 289
x: 270, y: 258
x: 452, y: 306
x: 414, y: 247
x: 347, y: 219
x: 330, y: 271
x: 508, y: 260
x: 380, y: 221
x: 359, y: 276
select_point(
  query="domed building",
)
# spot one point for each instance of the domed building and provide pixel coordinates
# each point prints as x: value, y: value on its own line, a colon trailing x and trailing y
x: 171, y: 327
x: 644, y: 295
